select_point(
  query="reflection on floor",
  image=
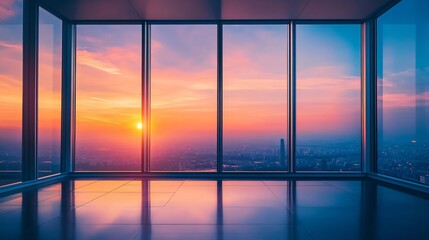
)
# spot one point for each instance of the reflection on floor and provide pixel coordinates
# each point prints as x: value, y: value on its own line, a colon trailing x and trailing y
x: 136, y: 209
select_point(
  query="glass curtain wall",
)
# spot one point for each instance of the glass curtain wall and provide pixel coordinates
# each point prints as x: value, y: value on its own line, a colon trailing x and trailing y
x: 108, y: 98
x: 403, y: 91
x: 183, y: 98
x: 11, y: 27
x: 255, y: 97
x: 328, y: 97
x: 184, y: 87
x: 49, y: 94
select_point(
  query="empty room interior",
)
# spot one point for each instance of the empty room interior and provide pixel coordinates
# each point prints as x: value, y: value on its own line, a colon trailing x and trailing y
x: 214, y: 119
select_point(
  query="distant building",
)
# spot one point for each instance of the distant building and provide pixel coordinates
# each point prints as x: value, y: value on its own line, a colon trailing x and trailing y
x: 424, y: 179
x: 282, y: 153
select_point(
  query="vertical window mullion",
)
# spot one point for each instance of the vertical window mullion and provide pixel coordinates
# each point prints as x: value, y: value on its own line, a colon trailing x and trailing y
x: 219, y: 97
x: 292, y: 97
x: 29, y: 107
x: 146, y: 97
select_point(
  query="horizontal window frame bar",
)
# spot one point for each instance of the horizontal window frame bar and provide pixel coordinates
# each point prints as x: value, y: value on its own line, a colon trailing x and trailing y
x: 215, y: 22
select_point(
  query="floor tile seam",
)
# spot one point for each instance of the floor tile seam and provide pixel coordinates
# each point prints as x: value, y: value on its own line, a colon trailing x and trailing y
x: 278, y: 198
x: 52, y: 219
x: 126, y: 192
x: 47, y: 220
x: 123, y: 207
x: 54, y: 196
x: 253, y: 207
x: 240, y: 185
x: 96, y: 181
x: 11, y: 211
x: 275, y: 185
x: 174, y: 194
x: 161, y: 192
x: 342, y: 189
x: 346, y: 192
x: 163, y: 205
x: 11, y: 205
x: 296, y: 223
x: 137, y: 236
x: 85, y: 184
x: 58, y: 195
x: 76, y: 207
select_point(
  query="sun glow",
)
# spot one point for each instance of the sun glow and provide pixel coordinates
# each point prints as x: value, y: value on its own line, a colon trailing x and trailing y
x: 139, y: 125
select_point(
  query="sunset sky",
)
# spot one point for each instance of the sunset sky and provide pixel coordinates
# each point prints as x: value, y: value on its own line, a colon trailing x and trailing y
x: 108, y: 90
x: 403, y: 74
x: 183, y: 85
x: 49, y: 103
x: 255, y: 84
x: 328, y: 83
x: 10, y: 70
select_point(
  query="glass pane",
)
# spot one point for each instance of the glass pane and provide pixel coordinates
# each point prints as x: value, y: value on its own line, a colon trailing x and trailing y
x: 255, y: 97
x: 403, y: 91
x: 10, y: 91
x: 49, y: 102
x: 183, y: 98
x: 328, y: 89
x: 108, y: 98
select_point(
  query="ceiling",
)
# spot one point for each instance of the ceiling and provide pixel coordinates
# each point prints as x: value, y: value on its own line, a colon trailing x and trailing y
x: 215, y: 9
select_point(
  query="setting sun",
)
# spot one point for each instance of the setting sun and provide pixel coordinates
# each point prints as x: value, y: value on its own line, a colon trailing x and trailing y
x: 139, y: 125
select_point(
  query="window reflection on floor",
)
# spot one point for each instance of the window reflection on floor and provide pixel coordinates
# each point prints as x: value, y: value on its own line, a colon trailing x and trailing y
x: 186, y: 209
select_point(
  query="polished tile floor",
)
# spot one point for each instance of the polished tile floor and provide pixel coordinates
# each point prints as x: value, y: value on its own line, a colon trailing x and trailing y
x: 189, y: 209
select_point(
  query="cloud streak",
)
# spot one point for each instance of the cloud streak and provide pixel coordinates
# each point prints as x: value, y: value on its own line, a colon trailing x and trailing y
x: 94, y: 60
x: 403, y: 100
x: 7, y: 9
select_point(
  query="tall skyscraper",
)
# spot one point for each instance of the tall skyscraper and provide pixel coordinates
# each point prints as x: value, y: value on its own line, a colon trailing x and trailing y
x: 282, y: 153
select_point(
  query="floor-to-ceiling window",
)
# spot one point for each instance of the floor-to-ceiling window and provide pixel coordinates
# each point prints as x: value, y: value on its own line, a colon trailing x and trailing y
x: 183, y: 98
x: 108, y: 98
x: 183, y: 80
x: 49, y: 94
x: 328, y: 97
x: 403, y: 91
x: 255, y: 110
x: 11, y: 20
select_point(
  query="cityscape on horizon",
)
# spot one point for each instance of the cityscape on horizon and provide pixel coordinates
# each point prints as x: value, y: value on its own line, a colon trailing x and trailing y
x: 394, y: 159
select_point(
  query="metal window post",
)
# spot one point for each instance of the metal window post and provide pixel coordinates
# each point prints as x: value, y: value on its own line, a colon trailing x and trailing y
x: 219, y: 98
x: 369, y: 97
x: 29, y: 101
x: 292, y: 97
x: 68, y: 97
x: 145, y: 97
